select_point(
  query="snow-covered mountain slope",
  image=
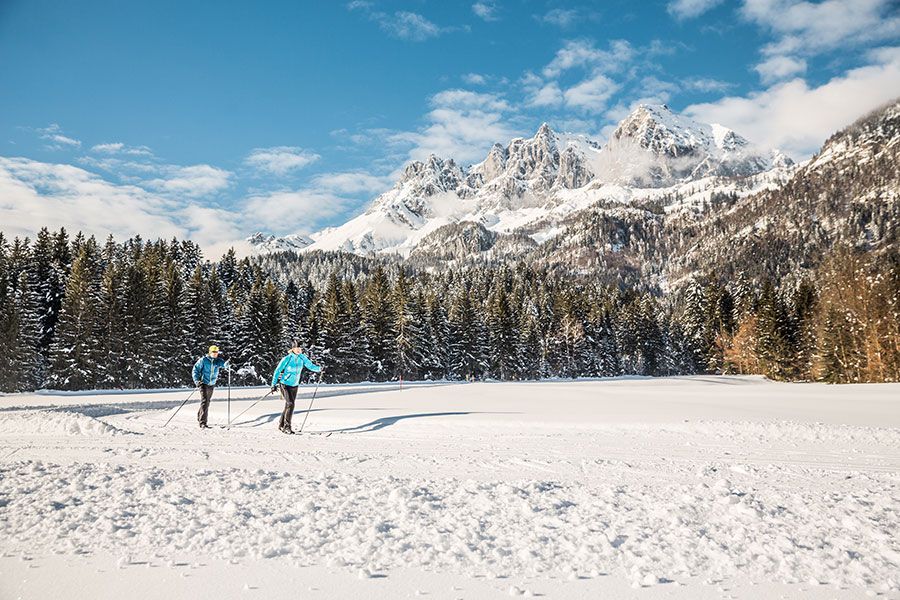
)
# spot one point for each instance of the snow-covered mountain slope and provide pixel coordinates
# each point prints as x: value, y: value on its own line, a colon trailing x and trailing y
x: 847, y: 194
x: 546, y: 178
x: 655, y: 147
x: 270, y: 243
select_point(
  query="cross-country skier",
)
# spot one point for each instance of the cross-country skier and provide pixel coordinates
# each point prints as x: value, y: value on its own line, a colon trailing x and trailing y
x: 205, y: 374
x: 287, y: 375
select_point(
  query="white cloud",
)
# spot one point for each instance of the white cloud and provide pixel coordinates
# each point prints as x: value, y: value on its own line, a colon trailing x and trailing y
x: 193, y: 181
x: 583, y: 53
x: 34, y: 194
x: 548, y: 94
x: 688, y: 9
x: 810, y: 27
x: 706, y: 84
x: 132, y: 170
x: 798, y: 118
x: 353, y: 182
x: 656, y: 91
x: 280, y: 160
x: 474, y: 79
x: 410, y: 26
x: 591, y: 94
x: 777, y: 68
x: 485, y: 10
x: 53, y: 133
x: 121, y: 148
x: 806, y: 29
x: 560, y: 17
x: 457, y: 98
x: 291, y: 211
x: 461, y: 125
x: 404, y: 25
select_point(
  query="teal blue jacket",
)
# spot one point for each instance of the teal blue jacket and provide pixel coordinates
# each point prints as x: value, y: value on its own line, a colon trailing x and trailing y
x: 206, y: 370
x: 289, y: 369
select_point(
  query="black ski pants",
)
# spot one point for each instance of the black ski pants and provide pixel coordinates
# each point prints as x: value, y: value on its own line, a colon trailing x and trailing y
x: 289, y: 394
x: 206, y: 394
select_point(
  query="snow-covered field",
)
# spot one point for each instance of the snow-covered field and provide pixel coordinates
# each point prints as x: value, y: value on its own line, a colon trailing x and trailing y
x: 692, y: 487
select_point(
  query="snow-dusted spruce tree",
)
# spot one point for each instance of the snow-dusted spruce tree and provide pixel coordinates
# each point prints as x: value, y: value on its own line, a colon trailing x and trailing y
x: 409, y: 340
x: 200, y: 312
x: 437, y: 359
x: 297, y: 305
x: 467, y: 338
x: 718, y: 326
x: 28, y: 367
x: 360, y: 357
x: 378, y: 320
x: 771, y: 333
x: 260, y: 338
x: 694, y: 326
x: 335, y: 335
x: 144, y: 312
x: 503, y: 338
x: 20, y: 367
x: 178, y: 351
x: 51, y: 261
x: 76, y: 353
x: 111, y: 328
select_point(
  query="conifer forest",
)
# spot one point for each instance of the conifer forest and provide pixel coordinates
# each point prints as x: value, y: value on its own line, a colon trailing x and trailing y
x: 78, y: 313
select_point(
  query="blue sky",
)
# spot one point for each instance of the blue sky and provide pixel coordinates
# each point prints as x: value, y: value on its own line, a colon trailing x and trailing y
x: 212, y: 120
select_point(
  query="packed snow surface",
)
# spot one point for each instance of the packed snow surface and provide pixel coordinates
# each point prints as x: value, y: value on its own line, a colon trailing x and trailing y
x: 688, y: 487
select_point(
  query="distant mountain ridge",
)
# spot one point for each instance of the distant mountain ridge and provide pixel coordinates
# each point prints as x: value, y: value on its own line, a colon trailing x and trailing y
x: 529, y: 186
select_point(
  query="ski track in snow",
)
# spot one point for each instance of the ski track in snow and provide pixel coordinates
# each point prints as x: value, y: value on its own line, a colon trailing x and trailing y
x: 647, y: 481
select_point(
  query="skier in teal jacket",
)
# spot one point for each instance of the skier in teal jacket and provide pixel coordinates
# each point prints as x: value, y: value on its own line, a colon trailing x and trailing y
x: 287, y: 375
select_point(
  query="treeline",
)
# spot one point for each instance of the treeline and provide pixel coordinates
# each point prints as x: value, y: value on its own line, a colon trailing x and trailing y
x: 77, y: 314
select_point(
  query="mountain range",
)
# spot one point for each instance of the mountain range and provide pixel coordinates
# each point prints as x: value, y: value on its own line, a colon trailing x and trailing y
x: 661, y: 199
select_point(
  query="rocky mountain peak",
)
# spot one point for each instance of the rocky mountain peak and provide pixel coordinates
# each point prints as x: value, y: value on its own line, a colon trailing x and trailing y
x: 530, y: 178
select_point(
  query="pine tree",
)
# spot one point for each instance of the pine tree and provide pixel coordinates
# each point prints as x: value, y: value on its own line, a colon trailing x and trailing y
x: 142, y: 314
x: 335, y: 332
x: 111, y: 328
x: 378, y: 320
x: 29, y: 364
x: 467, y: 352
x: 503, y: 337
x: 200, y: 313
x: 261, y: 334
x: 772, y: 336
x: 409, y: 339
x: 76, y: 354
x: 177, y: 353
x: 694, y: 324
x: 437, y: 360
x: 359, y: 358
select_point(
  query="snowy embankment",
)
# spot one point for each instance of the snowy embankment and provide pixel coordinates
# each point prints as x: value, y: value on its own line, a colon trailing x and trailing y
x: 680, y: 487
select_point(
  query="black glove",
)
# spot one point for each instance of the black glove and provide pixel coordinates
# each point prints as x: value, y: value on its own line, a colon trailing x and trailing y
x: 274, y: 387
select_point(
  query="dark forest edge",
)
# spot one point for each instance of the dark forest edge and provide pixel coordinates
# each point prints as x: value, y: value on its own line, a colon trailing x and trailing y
x: 76, y: 315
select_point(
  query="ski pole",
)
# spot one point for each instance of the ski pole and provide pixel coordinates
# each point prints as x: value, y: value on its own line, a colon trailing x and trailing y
x: 229, y: 393
x: 182, y: 404
x: 313, y: 399
x: 261, y: 398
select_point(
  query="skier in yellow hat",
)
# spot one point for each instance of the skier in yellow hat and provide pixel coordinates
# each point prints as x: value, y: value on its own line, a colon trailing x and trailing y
x: 205, y: 374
